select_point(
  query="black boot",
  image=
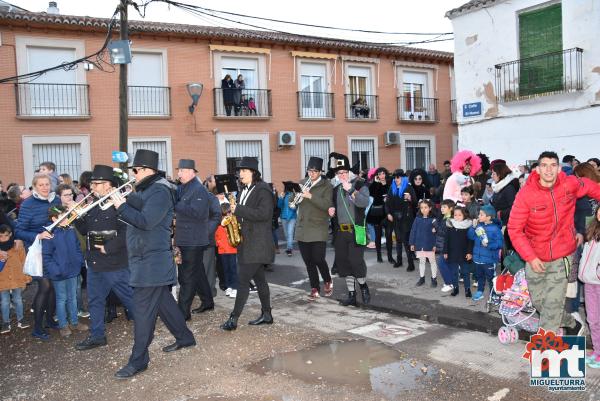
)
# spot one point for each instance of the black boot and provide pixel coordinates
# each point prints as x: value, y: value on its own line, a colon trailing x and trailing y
x: 110, y: 313
x: 231, y: 323
x: 467, y: 293
x: 391, y: 259
x: 454, y: 291
x: 379, y: 258
x: 411, y: 266
x: 421, y: 281
x: 264, y: 318
x: 350, y: 301
x: 433, y: 282
x: 398, y: 262
x: 366, y: 295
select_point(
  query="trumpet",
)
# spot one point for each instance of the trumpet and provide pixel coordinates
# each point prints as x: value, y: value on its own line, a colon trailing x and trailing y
x: 298, y: 196
x: 74, y: 213
x: 124, y: 190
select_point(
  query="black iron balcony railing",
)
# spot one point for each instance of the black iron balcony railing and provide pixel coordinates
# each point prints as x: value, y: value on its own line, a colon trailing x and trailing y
x: 315, y: 105
x: 362, y: 107
x: 546, y: 74
x: 149, y: 101
x: 453, y: 111
x: 52, y: 100
x: 414, y: 108
x: 242, y: 102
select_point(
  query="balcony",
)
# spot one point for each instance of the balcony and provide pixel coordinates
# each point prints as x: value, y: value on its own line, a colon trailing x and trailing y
x: 242, y: 103
x: 453, y: 111
x: 315, y: 105
x: 149, y: 101
x: 417, y: 109
x: 52, y: 100
x: 543, y: 75
x: 361, y: 107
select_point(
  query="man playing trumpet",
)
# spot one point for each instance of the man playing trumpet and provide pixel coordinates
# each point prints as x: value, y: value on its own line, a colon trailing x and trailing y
x: 105, y: 256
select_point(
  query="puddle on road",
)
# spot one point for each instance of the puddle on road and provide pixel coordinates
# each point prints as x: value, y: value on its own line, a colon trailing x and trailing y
x: 364, y: 364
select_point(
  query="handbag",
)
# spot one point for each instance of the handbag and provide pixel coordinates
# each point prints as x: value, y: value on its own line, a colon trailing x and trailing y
x: 33, y: 261
x: 589, y: 263
x: 376, y: 211
x: 360, y: 232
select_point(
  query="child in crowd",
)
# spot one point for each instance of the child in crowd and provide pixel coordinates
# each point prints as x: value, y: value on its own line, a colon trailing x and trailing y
x: 434, y: 197
x: 440, y: 230
x: 227, y: 255
x: 487, y: 243
x: 12, y: 278
x: 469, y: 202
x: 62, y: 264
x: 488, y: 194
x: 588, y: 265
x: 458, y: 249
x: 422, y: 240
x: 252, y: 107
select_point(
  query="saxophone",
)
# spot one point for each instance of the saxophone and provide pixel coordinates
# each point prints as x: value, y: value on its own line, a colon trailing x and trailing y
x: 232, y: 226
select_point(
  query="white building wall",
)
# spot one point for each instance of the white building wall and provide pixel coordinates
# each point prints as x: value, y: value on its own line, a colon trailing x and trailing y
x: 519, y: 130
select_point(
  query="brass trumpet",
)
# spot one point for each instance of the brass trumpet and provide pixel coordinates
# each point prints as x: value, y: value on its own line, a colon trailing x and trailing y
x: 74, y: 213
x: 124, y: 190
x: 298, y: 196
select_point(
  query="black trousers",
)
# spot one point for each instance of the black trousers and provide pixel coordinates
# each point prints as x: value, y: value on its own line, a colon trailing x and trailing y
x: 247, y: 272
x: 313, y: 254
x: 149, y: 302
x: 349, y: 257
x: 192, y: 278
x: 401, y: 238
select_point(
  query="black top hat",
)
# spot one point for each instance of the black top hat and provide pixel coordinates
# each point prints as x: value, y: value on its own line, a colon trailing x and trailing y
x: 338, y: 161
x: 145, y: 158
x: 250, y: 163
x: 103, y: 173
x: 315, y: 163
x: 187, y: 163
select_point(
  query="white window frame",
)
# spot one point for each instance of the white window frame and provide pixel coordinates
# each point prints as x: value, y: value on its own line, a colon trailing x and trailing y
x: 165, y: 62
x: 372, y: 81
x: 432, y: 147
x: 261, y: 65
x: 375, y: 147
x: 431, y: 87
x: 328, y: 71
x: 302, y: 154
x: 29, y: 140
x: 166, y: 139
x: 264, y: 138
x: 454, y: 144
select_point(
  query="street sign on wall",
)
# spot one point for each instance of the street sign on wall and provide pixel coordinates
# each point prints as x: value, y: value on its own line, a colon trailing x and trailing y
x: 472, y: 109
x: 119, y: 157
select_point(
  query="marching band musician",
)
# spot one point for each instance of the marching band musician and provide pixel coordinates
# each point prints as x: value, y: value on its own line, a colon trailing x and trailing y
x: 312, y: 227
x: 105, y: 256
x: 350, y: 199
x: 254, y: 209
x: 149, y: 215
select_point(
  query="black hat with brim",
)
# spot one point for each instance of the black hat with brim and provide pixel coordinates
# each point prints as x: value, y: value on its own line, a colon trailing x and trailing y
x: 102, y: 172
x: 315, y: 163
x: 145, y: 158
x: 250, y: 163
x: 187, y: 164
x: 338, y: 161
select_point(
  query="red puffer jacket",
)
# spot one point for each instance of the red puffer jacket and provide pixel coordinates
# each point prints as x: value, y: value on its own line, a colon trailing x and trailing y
x: 541, y: 223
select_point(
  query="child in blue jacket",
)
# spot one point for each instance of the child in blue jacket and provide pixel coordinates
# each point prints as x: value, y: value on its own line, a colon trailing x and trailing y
x: 62, y: 261
x: 487, y: 243
x: 422, y: 241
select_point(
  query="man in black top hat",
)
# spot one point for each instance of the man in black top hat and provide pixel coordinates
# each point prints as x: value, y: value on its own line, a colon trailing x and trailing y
x: 195, y: 223
x: 350, y: 199
x: 149, y: 215
x: 105, y: 257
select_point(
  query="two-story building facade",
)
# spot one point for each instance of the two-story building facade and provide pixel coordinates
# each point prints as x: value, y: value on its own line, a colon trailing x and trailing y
x: 302, y: 96
x: 527, y: 73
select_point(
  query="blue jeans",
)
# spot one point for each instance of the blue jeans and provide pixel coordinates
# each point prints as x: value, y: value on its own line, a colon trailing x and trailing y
x: 464, y: 271
x: 371, y: 232
x: 18, y: 301
x: 66, y: 301
x: 485, y: 272
x: 288, y: 230
x: 444, y: 268
x: 228, y: 261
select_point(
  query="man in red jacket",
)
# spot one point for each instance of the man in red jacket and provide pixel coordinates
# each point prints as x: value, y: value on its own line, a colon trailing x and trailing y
x: 542, y: 229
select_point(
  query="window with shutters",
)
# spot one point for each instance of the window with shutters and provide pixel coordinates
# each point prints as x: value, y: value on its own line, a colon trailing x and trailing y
x: 540, y: 49
x: 162, y: 146
x: 315, y: 147
x: 362, y: 151
x: 418, y: 154
x: 236, y: 150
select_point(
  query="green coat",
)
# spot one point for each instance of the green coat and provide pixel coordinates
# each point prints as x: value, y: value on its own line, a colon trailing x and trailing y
x: 312, y: 223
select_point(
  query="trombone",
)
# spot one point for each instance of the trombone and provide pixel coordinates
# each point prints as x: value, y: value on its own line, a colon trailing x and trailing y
x: 75, y: 212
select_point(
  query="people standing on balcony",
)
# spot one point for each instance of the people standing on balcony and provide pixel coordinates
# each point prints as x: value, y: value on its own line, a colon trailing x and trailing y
x: 240, y: 85
x: 228, y: 88
x: 360, y: 108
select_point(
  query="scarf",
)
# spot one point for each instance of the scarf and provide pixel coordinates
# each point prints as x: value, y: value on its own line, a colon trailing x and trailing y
x: 146, y: 182
x: 461, y: 225
x: 399, y: 191
x: 50, y: 197
x: 499, y: 186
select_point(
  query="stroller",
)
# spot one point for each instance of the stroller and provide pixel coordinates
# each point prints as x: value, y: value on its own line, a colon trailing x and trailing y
x: 517, y: 311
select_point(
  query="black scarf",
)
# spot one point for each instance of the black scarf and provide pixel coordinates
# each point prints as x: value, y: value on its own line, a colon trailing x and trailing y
x: 146, y: 182
x: 8, y: 245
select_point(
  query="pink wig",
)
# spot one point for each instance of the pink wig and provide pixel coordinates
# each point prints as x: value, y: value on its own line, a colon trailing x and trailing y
x: 371, y: 173
x: 460, y: 160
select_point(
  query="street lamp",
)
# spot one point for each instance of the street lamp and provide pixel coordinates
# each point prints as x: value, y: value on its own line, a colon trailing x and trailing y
x: 195, y: 91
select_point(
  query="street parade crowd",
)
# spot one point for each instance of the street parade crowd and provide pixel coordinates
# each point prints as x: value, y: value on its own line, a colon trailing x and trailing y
x: 139, y: 239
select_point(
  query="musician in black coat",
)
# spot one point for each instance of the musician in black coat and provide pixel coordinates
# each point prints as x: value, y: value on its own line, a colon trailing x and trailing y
x: 254, y: 210
x: 105, y: 257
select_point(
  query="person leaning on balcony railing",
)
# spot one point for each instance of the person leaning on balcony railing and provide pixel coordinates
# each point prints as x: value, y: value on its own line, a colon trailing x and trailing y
x: 360, y: 108
x: 228, y: 88
x: 237, y: 94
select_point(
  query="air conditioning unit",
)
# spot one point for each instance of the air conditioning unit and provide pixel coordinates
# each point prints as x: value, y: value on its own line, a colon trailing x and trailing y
x: 392, y: 138
x: 287, y: 138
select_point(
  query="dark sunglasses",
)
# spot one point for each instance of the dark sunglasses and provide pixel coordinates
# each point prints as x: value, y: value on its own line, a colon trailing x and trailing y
x: 136, y: 169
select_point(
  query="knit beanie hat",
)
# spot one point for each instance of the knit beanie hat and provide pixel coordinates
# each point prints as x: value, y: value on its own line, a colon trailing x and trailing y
x: 489, y: 210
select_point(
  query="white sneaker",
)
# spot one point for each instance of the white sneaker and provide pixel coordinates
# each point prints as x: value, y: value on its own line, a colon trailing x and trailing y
x: 227, y: 292
x: 233, y: 293
x: 447, y: 288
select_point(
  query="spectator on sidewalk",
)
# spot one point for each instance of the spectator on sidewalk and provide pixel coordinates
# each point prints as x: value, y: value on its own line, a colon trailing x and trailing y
x: 433, y: 176
x: 399, y: 207
x: 458, y: 249
x: 465, y: 165
x: 288, y: 219
x: 468, y: 200
x: 227, y: 256
x: 12, y: 279
x: 49, y: 169
x: 422, y: 241
x: 440, y: 228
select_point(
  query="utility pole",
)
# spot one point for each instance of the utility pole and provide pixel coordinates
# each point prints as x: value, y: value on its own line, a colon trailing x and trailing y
x: 123, y: 114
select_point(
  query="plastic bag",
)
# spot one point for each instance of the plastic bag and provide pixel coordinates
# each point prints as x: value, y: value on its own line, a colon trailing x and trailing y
x: 33, y: 261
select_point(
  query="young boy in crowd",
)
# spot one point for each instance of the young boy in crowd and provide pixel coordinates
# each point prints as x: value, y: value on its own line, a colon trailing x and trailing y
x: 62, y: 264
x: 12, y: 278
x: 227, y: 255
x: 487, y: 243
x: 468, y: 200
x: 440, y: 228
